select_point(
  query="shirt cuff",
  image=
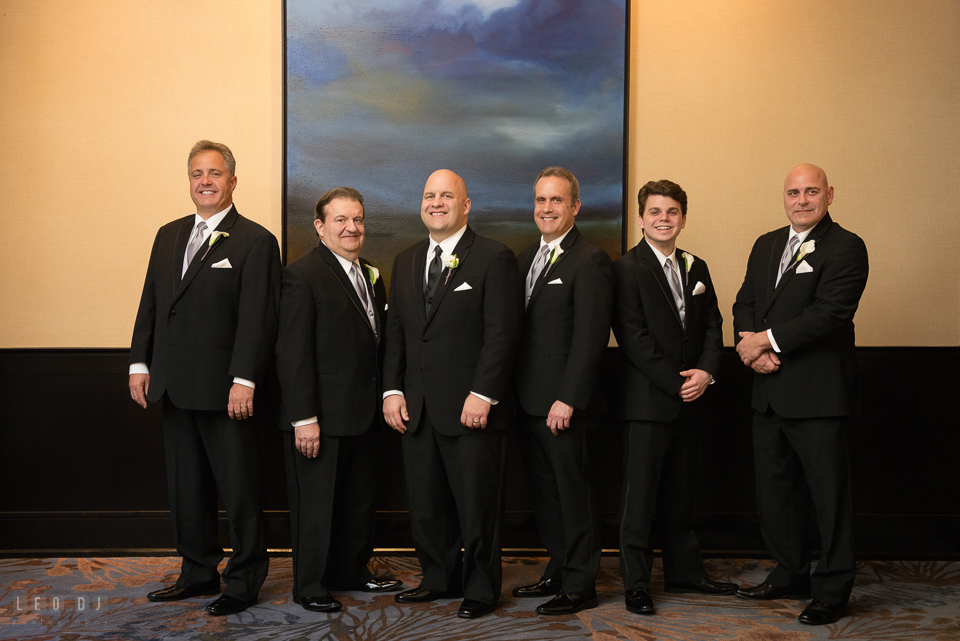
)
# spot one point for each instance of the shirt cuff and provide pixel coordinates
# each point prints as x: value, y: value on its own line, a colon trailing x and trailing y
x: 306, y: 421
x: 485, y: 398
x: 393, y: 392
x: 244, y: 382
x: 139, y: 368
x: 773, y: 343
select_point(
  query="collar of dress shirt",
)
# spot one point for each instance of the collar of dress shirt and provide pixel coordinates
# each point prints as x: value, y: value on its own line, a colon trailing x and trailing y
x: 663, y: 259
x: 447, y: 246
x: 346, y: 264
x: 212, y: 222
x: 801, y: 236
x: 556, y: 241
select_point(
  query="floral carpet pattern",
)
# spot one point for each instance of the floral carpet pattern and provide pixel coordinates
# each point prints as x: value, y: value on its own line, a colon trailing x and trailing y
x: 105, y: 599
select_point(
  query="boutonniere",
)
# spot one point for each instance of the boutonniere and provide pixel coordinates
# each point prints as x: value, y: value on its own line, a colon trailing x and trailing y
x: 688, y: 261
x: 806, y: 249
x: 214, y: 239
x: 373, y: 274
x: 451, y: 262
x: 555, y: 253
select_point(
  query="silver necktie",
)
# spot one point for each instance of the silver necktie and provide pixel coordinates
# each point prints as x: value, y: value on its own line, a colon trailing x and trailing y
x: 787, y: 257
x: 196, y: 241
x: 361, y: 287
x: 538, y: 264
x: 677, y: 290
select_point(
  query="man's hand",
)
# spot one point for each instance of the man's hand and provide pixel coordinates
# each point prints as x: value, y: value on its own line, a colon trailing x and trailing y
x: 240, y: 403
x: 752, y: 346
x: 695, y: 385
x: 307, y: 438
x: 767, y: 363
x: 559, y: 417
x: 475, y: 411
x: 139, y: 387
x: 395, y: 412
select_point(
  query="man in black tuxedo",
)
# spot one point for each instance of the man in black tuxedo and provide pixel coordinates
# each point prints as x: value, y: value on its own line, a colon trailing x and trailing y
x: 202, y: 341
x: 566, y: 328
x: 668, y: 326
x: 793, y: 320
x: 452, y: 333
x: 329, y: 356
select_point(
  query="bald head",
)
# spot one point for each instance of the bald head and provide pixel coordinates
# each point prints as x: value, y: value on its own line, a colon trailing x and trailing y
x: 445, y: 204
x: 806, y: 196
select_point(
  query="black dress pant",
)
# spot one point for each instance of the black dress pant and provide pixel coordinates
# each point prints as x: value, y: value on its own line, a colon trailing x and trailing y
x: 207, y: 450
x: 564, y: 500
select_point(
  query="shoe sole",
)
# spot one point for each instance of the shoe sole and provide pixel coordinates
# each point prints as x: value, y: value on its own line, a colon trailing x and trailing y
x: 641, y: 610
x: 587, y: 606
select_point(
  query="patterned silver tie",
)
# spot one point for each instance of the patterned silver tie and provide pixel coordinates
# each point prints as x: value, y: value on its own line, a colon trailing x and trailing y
x: 677, y: 290
x: 787, y: 257
x: 361, y: 287
x: 538, y: 264
x: 196, y: 241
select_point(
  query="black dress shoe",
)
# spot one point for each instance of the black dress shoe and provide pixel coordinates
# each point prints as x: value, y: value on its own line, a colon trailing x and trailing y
x: 319, y: 603
x: 543, y: 587
x: 380, y: 585
x: 176, y: 593
x: 765, y: 591
x: 418, y: 595
x: 820, y: 613
x: 471, y: 609
x: 226, y: 604
x: 565, y: 603
x: 701, y: 586
x: 639, y: 602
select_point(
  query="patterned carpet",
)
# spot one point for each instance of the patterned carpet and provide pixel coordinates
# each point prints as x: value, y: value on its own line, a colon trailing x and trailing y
x: 93, y: 598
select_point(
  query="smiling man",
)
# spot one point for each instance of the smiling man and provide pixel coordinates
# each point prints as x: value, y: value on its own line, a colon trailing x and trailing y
x: 793, y: 325
x: 329, y: 357
x: 201, y: 343
x: 566, y: 328
x: 452, y: 332
x: 668, y: 327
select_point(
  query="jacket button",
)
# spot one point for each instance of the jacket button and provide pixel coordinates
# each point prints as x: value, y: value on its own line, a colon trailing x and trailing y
x: 173, y: 312
x: 764, y: 321
x: 424, y: 339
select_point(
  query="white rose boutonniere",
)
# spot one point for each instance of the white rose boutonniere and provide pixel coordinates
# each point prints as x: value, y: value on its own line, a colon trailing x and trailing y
x: 688, y: 261
x: 373, y: 274
x: 451, y: 262
x: 806, y: 249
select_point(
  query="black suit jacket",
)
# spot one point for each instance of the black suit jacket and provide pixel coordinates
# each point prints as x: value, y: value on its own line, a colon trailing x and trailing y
x: 566, y: 328
x: 198, y: 333
x: 811, y: 315
x: 328, y: 355
x: 467, y: 343
x: 654, y: 346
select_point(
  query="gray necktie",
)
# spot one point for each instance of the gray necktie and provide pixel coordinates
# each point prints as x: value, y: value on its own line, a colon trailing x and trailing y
x: 433, y: 278
x: 787, y: 257
x: 361, y: 288
x: 196, y: 241
x: 677, y: 290
x: 538, y: 263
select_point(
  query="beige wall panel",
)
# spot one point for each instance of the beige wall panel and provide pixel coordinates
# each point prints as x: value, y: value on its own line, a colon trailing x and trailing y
x: 727, y: 96
x: 102, y: 100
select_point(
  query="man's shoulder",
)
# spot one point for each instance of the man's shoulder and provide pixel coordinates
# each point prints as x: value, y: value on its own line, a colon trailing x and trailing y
x: 246, y: 226
x: 487, y: 244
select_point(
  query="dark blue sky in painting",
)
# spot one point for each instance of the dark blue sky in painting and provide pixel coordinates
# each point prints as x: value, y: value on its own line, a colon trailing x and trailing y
x: 382, y: 92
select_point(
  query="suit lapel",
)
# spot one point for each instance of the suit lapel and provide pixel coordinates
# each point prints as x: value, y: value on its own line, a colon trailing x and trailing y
x: 205, y: 252
x: 179, y: 249
x: 372, y: 293
x: 653, y: 263
x: 818, y: 233
x: 418, y: 277
x: 447, y: 276
x: 566, y: 244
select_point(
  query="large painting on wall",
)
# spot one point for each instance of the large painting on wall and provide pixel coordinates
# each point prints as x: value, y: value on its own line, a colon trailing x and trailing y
x: 380, y: 93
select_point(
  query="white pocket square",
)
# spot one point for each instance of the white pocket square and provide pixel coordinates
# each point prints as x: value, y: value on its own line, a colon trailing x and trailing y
x: 804, y: 268
x: 699, y: 288
x: 463, y: 287
x: 223, y: 264
x: 556, y: 281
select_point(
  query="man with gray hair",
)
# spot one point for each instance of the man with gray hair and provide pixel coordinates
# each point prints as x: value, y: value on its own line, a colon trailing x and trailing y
x: 202, y: 341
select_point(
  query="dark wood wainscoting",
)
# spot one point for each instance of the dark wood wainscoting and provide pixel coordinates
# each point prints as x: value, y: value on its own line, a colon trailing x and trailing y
x: 82, y: 466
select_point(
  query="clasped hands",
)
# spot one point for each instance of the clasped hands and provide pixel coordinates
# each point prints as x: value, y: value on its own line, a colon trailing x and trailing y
x: 757, y: 353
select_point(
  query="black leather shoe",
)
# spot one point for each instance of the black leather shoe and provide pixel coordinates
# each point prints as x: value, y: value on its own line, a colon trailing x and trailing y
x: 176, y: 593
x: 418, y: 595
x: 639, y: 602
x: 820, y: 613
x: 226, y: 604
x: 381, y: 585
x: 471, y: 609
x: 565, y: 603
x: 543, y: 587
x: 701, y: 586
x: 765, y: 591
x: 319, y: 603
